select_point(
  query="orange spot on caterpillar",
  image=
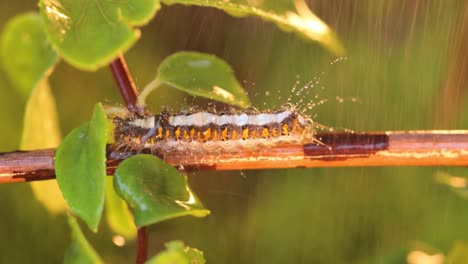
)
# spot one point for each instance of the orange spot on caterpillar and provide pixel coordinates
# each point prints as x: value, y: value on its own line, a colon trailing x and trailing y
x: 192, y: 133
x: 160, y: 133
x: 199, y: 137
x: 177, y: 133
x: 234, y: 134
x: 207, y: 134
x: 285, y: 130
x: 274, y: 132
x: 168, y: 135
x: 265, y: 133
x: 224, y: 134
x: 253, y: 133
x: 245, y: 133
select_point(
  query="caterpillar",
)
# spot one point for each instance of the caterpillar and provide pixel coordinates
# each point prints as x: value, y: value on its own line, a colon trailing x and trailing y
x: 208, y: 132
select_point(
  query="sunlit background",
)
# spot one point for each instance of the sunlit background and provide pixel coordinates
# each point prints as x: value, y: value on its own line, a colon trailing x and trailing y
x: 406, y: 67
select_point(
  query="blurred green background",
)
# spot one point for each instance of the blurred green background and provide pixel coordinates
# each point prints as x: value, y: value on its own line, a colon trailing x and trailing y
x: 407, y: 69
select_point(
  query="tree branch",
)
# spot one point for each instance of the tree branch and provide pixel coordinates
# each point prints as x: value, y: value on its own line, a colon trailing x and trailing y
x: 142, y: 252
x: 129, y: 94
x: 399, y: 148
x: 125, y: 83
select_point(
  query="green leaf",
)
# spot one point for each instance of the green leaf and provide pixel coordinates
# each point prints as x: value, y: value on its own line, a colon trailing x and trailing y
x: 80, y: 166
x: 90, y: 34
x: 177, y: 253
x: 41, y: 130
x: 200, y: 75
x: 155, y: 191
x: 26, y: 54
x: 458, y: 253
x: 28, y: 58
x: 118, y: 215
x: 80, y: 251
x: 40, y: 124
x: 302, y: 20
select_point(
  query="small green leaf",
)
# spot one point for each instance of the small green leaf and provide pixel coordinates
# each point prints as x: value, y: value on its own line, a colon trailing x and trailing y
x: 80, y: 166
x: 458, y: 253
x: 302, y: 20
x: 28, y: 58
x: 177, y: 253
x: 80, y: 251
x: 41, y: 130
x: 26, y: 54
x: 40, y: 124
x: 118, y: 215
x: 90, y: 34
x: 155, y: 191
x: 202, y: 75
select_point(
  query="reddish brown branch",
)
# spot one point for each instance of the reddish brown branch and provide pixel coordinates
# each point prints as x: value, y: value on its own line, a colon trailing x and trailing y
x: 129, y: 94
x: 23, y: 166
x: 142, y: 241
x: 125, y: 83
x: 403, y: 148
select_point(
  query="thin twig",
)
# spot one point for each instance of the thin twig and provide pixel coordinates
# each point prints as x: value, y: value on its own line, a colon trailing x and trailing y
x: 142, y: 241
x: 125, y: 83
x: 129, y: 94
x: 399, y: 148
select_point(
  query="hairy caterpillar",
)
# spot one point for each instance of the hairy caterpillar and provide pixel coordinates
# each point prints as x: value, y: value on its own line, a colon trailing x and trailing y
x: 208, y: 132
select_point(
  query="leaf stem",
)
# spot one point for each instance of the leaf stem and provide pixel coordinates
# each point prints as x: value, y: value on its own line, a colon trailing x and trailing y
x: 142, y: 240
x: 125, y: 82
x: 364, y: 149
x: 141, y: 101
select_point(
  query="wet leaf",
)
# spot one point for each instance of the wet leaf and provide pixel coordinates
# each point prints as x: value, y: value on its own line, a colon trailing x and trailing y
x: 177, y: 252
x: 26, y: 54
x: 302, y: 20
x: 90, y: 34
x: 80, y: 166
x: 118, y: 215
x: 41, y: 130
x: 80, y: 251
x: 202, y: 75
x: 155, y: 191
